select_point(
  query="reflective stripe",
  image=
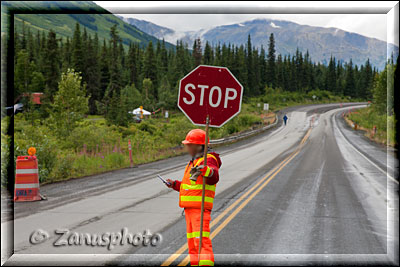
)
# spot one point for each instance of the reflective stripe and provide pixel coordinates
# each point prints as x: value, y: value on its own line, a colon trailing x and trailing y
x: 197, y: 234
x: 207, y: 172
x: 202, y: 159
x: 206, y: 263
x: 198, y: 187
x: 26, y: 171
x: 27, y: 185
x: 197, y: 198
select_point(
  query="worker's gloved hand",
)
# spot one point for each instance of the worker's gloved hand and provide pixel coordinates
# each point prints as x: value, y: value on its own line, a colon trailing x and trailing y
x: 194, y: 173
x: 205, y: 171
x: 171, y: 183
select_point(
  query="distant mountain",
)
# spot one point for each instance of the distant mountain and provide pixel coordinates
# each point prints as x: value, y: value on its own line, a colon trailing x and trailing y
x: 320, y: 42
x: 148, y: 27
x: 64, y: 24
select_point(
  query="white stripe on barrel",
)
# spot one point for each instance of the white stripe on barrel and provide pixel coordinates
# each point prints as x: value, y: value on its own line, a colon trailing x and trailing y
x: 36, y: 185
x: 26, y: 171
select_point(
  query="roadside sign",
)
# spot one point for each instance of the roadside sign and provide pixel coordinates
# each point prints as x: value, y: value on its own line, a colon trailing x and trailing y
x: 210, y: 91
x: 266, y: 106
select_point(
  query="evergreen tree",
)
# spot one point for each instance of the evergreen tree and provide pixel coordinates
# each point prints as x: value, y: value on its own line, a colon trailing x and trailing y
x: 217, y: 58
x: 114, y: 63
x: 132, y: 96
x: 241, y: 73
x: 263, y: 67
x: 163, y: 59
x: 150, y: 68
x: 271, y: 62
x: 339, y: 80
x: 367, y: 80
x: 132, y: 64
x: 93, y: 74
x: 331, y: 76
x: 208, y: 58
x: 349, y: 88
x: 22, y: 73
x: 77, y: 50
x: 67, y: 55
x: 197, y: 53
x: 167, y: 98
x: 104, y: 70
x: 117, y: 109
x: 380, y: 92
x: 51, y: 64
x: 250, y: 69
x: 147, y: 89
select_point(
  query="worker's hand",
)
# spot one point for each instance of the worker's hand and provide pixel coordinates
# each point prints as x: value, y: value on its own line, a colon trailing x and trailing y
x: 194, y: 173
x: 171, y: 183
x: 206, y: 171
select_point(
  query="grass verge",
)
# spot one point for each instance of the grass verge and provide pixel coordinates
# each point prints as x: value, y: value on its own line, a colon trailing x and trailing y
x: 367, y: 118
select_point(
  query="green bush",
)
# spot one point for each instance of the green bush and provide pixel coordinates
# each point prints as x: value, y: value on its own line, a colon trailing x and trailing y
x: 62, y: 168
x: 115, y: 160
x: 92, y: 136
x: 232, y: 128
x: 147, y: 127
x: 46, y: 146
x: 247, y: 120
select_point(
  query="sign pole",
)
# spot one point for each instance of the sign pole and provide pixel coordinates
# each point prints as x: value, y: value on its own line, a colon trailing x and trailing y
x: 203, y: 193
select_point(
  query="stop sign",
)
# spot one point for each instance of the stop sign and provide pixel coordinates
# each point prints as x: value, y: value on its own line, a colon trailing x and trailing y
x: 210, y: 90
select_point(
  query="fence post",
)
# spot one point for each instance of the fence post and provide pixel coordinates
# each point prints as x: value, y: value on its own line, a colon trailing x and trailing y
x: 130, y: 152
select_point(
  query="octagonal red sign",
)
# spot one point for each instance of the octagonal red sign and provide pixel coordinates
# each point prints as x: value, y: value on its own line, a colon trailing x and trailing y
x: 210, y: 90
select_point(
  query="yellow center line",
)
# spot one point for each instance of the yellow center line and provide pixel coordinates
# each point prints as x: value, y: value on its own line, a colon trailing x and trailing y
x: 280, y: 166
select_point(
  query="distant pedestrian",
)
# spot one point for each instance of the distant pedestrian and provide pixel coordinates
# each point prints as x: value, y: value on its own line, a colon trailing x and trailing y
x: 285, y: 118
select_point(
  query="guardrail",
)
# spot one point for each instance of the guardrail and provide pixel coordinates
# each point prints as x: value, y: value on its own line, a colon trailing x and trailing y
x: 244, y: 134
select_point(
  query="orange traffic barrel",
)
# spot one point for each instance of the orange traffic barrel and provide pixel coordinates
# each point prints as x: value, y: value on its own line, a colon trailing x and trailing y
x: 27, y: 179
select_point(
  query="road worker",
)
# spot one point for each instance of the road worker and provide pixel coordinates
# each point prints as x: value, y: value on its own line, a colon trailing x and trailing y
x: 190, y: 195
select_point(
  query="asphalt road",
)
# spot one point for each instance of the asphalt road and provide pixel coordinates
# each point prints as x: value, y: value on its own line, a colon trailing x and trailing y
x: 293, y: 195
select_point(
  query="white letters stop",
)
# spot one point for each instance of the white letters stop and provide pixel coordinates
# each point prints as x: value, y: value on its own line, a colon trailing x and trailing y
x: 230, y: 94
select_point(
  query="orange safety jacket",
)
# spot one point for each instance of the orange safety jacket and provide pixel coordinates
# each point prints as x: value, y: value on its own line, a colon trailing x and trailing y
x: 190, y: 191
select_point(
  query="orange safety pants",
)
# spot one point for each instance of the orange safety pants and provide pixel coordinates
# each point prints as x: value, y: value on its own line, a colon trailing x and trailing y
x: 193, y: 217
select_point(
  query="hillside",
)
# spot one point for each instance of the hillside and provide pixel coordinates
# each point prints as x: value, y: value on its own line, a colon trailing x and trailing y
x: 320, y: 42
x: 148, y: 27
x: 64, y: 24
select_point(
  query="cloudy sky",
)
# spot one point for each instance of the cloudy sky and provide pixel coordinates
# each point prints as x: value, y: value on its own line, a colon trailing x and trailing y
x: 371, y: 25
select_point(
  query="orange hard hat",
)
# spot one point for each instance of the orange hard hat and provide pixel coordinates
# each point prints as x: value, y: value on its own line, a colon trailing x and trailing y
x: 196, y: 136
